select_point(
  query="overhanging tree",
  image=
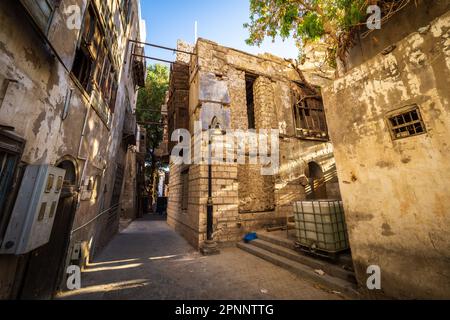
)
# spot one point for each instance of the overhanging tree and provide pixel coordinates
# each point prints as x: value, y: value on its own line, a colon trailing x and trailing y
x: 149, y: 102
x: 307, y: 21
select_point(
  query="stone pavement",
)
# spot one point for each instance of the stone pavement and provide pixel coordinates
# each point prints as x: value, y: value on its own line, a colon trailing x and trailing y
x: 148, y: 260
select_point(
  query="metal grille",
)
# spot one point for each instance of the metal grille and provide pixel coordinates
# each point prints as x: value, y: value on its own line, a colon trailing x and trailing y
x: 407, y: 124
x: 321, y: 226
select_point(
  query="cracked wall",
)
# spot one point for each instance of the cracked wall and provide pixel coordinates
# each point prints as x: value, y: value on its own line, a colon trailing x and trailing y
x: 244, y: 201
x: 34, y: 104
x: 395, y: 191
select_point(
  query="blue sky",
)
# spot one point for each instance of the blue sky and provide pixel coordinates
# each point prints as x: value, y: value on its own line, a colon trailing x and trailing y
x: 218, y: 20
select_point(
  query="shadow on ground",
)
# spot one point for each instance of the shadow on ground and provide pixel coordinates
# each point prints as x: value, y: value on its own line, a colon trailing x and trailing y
x: 149, y: 261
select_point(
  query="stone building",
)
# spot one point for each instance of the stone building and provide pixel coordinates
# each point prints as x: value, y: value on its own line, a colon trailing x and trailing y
x: 132, y: 205
x: 162, y: 152
x: 389, y: 121
x: 241, y: 91
x: 67, y: 94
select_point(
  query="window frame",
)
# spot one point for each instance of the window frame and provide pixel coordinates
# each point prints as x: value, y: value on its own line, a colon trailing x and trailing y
x: 31, y: 6
x: 12, y: 145
x: 102, y: 75
x: 402, y: 112
x: 300, y: 106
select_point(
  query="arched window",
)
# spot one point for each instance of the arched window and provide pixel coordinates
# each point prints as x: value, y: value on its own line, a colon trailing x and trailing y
x: 71, y: 177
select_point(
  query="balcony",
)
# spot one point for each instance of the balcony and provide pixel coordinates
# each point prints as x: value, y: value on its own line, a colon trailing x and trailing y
x: 139, y: 66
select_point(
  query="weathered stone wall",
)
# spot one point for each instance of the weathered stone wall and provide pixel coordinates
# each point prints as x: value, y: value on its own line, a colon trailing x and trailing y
x: 185, y: 222
x: 34, y: 104
x: 244, y: 200
x: 256, y: 192
x: 414, y: 14
x: 395, y: 192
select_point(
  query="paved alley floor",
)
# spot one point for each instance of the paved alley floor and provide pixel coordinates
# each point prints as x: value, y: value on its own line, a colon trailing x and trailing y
x: 149, y: 261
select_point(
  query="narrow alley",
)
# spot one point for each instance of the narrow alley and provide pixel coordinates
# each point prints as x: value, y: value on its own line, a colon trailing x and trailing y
x: 169, y: 151
x: 150, y: 261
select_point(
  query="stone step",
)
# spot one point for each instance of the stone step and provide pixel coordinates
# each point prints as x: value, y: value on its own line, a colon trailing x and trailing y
x: 336, y: 284
x: 342, y: 259
x: 283, y: 242
x: 316, y: 264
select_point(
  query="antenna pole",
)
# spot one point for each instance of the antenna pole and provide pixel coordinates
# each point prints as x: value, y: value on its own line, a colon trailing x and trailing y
x: 196, y: 31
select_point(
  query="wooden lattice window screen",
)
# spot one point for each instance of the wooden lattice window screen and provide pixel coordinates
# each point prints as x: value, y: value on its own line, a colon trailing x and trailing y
x: 310, y: 120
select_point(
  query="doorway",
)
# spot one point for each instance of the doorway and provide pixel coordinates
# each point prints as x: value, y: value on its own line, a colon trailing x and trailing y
x: 317, y: 182
x: 44, y: 268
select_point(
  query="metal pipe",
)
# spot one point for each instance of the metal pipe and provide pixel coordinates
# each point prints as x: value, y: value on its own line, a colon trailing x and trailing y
x: 156, y: 59
x: 151, y: 123
x: 116, y: 206
x: 162, y: 47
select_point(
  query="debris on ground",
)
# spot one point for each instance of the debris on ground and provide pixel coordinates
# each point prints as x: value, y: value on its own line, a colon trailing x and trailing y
x: 320, y: 272
x: 336, y: 292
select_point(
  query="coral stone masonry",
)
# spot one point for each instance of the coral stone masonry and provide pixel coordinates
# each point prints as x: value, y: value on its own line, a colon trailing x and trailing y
x: 242, y: 92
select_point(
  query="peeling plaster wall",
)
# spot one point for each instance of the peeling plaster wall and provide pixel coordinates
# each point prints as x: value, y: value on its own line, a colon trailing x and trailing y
x: 34, y: 105
x: 244, y: 201
x: 396, y: 192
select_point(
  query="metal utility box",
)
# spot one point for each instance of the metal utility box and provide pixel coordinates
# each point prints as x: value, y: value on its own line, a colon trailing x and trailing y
x: 321, y: 226
x: 32, y: 218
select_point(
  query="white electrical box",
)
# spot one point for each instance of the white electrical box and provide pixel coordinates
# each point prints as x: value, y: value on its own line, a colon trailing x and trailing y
x: 32, y: 218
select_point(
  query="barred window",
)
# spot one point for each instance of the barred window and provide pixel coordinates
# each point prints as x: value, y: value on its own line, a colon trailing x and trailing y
x: 406, y: 124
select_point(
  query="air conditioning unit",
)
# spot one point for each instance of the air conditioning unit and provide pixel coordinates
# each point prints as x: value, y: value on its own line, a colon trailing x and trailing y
x: 34, y: 212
